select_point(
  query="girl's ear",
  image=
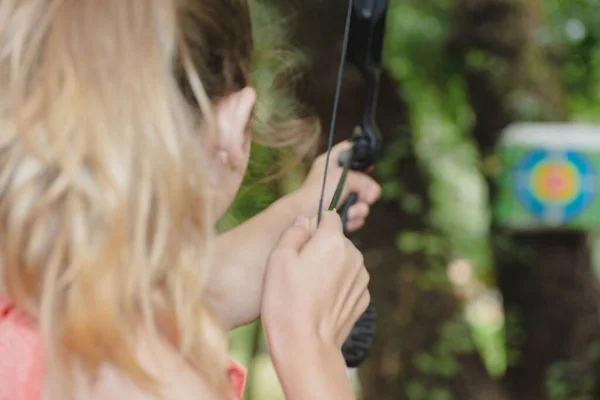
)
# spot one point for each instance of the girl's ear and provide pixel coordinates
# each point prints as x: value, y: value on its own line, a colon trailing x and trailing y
x: 233, y: 116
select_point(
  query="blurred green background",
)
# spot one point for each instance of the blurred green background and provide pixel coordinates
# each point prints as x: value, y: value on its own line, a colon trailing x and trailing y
x: 467, y: 310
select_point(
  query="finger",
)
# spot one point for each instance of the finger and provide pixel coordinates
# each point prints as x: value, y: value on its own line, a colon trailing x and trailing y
x: 329, y: 235
x: 354, y: 281
x: 367, y: 189
x: 354, y: 225
x: 359, y: 298
x: 361, y: 305
x: 340, y: 147
x: 296, y: 236
x: 353, y: 316
x: 358, y: 211
x: 363, y: 302
x: 330, y: 223
x: 335, y: 152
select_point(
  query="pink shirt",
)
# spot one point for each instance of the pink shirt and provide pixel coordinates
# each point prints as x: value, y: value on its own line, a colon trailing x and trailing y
x: 21, y: 366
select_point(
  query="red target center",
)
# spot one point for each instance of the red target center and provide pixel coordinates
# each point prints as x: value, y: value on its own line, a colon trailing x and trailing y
x: 556, y: 182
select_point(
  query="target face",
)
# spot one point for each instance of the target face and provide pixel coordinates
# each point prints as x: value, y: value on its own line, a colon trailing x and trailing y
x: 555, y: 186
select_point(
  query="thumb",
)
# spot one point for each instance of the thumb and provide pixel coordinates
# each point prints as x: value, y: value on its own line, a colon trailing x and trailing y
x: 296, y: 236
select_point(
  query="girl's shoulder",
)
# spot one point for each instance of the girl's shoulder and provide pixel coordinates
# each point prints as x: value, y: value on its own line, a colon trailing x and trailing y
x: 176, y: 379
x: 21, y: 366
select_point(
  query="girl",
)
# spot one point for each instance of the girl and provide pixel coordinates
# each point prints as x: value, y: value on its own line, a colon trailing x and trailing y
x: 123, y: 138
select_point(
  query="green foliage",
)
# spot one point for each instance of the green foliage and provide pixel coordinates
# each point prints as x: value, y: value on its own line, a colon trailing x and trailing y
x: 440, y: 394
x: 490, y: 341
x: 241, y: 343
x: 515, y: 335
x: 442, y: 360
x: 573, y: 31
x: 256, y: 193
x: 455, y: 336
x: 594, y: 352
x: 418, y: 391
x: 443, y: 365
x: 441, y: 119
x: 387, y: 167
x: 413, y: 241
x: 573, y: 380
x: 568, y: 381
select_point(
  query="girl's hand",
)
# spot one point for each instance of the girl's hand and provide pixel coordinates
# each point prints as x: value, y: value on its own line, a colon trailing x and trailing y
x: 367, y: 189
x: 315, y: 286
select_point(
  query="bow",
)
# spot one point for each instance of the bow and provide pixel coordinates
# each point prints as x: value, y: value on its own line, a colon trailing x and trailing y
x: 362, y: 46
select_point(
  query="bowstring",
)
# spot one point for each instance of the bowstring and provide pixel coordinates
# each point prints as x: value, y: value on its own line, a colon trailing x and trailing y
x: 336, y: 101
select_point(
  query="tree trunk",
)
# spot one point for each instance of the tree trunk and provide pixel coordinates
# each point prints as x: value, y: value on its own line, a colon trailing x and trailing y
x: 423, y: 348
x: 546, y: 279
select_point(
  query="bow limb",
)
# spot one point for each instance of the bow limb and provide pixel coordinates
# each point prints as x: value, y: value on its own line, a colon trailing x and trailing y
x: 365, y: 48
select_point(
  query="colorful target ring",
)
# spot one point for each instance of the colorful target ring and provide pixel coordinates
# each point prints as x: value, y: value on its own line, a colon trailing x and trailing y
x: 555, y: 186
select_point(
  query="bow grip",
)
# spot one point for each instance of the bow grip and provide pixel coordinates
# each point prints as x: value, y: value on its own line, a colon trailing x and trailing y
x: 358, y: 344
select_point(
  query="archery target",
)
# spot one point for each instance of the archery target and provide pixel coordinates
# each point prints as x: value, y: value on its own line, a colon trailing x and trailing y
x: 555, y: 186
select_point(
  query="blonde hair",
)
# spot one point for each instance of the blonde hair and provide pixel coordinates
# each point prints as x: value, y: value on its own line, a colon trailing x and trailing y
x: 103, y: 210
x: 105, y: 219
